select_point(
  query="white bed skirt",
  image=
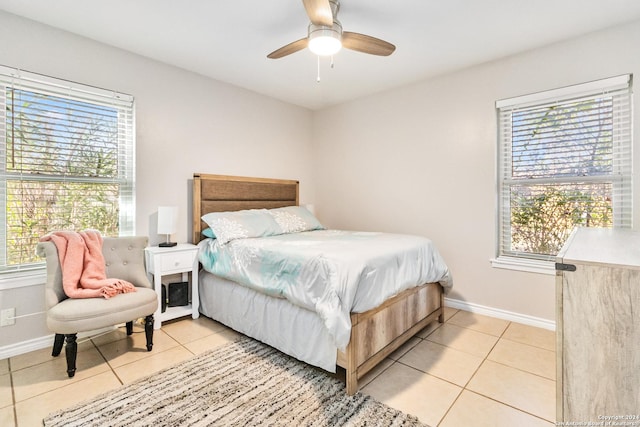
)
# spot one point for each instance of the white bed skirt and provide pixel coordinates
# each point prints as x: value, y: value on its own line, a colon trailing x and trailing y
x: 293, y: 330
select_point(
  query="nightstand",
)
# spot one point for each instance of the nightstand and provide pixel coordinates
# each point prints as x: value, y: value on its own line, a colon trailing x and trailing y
x: 182, y: 258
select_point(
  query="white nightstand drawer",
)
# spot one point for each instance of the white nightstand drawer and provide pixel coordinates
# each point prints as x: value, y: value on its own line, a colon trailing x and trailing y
x: 176, y: 261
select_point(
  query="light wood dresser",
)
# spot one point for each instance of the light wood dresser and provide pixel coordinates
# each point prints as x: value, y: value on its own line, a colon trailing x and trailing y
x: 598, y: 327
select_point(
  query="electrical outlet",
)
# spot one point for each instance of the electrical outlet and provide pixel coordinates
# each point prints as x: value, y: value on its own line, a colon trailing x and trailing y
x: 7, y: 317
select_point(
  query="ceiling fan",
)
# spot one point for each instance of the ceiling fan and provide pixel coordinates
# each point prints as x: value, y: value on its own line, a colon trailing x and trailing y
x: 325, y: 36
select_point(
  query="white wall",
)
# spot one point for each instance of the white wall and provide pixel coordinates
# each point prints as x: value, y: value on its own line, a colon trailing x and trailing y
x: 186, y: 123
x: 421, y: 159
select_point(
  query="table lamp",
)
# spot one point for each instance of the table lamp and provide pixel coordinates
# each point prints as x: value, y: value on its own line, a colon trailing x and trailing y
x: 167, y: 223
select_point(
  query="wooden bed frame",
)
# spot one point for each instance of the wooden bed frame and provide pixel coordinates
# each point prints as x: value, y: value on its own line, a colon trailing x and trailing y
x: 375, y: 333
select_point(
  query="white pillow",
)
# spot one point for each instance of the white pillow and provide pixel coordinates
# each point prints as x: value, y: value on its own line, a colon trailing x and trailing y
x: 228, y: 226
x: 295, y: 219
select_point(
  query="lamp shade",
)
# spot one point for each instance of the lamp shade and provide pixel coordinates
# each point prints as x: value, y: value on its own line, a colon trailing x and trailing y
x: 167, y: 219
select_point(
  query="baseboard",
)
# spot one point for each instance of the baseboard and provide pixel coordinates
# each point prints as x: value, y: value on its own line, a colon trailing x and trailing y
x: 23, y: 347
x: 501, y: 314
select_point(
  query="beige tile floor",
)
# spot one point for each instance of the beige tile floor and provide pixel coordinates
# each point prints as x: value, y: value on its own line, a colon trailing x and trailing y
x: 472, y: 370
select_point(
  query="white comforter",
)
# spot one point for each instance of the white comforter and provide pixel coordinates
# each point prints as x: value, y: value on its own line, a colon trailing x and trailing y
x: 330, y: 272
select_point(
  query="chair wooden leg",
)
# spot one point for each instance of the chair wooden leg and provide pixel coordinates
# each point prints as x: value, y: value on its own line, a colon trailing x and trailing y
x: 148, y: 331
x: 71, y: 351
x: 130, y: 327
x: 58, y: 342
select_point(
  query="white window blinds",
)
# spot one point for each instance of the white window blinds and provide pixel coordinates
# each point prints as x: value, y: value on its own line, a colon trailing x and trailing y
x: 67, y: 162
x: 564, y: 160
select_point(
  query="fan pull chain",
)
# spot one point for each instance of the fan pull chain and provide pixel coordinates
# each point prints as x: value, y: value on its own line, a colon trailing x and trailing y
x: 331, y: 66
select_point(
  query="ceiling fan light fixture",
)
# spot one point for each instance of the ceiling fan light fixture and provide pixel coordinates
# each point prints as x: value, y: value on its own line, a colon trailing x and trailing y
x: 325, y: 36
x: 324, y: 41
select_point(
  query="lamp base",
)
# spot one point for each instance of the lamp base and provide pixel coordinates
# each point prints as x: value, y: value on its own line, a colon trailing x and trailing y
x: 167, y: 244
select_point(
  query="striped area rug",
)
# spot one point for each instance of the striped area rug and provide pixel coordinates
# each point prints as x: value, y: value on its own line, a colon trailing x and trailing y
x: 244, y: 383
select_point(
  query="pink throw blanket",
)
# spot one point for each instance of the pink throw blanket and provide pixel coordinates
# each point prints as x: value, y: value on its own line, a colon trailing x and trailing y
x: 83, y: 267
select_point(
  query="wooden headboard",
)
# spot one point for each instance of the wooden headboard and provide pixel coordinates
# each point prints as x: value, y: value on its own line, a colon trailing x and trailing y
x: 222, y: 193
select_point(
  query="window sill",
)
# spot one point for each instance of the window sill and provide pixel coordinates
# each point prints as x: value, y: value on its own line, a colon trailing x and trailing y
x: 23, y: 279
x: 522, y: 264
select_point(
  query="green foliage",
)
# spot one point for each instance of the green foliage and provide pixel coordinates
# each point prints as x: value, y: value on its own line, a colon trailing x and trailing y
x: 37, y: 208
x: 542, y: 221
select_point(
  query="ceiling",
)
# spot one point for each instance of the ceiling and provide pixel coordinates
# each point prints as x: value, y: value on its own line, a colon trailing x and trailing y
x: 229, y: 40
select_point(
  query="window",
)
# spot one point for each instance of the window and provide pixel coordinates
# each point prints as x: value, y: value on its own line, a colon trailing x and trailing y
x: 67, y: 163
x: 564, y: 161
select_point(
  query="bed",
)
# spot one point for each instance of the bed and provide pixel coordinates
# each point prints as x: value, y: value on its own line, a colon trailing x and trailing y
x: 292, y: 329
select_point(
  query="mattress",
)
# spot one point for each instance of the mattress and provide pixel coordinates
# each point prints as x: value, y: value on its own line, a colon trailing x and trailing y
x: 329, y: 272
